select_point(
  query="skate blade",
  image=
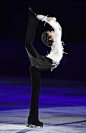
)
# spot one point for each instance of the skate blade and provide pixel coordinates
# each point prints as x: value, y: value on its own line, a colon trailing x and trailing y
x: 34, y: 126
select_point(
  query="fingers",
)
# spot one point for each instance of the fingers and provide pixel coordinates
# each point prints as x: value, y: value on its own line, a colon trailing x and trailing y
x: 38, y: 16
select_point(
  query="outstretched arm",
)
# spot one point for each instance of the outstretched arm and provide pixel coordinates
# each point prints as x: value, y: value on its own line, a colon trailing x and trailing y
x: 44, y: 18
x: 51, y: 21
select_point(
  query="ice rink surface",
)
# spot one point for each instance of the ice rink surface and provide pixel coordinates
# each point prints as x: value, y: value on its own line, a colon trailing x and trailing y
x: 56, y: 120
x: 62, y: 107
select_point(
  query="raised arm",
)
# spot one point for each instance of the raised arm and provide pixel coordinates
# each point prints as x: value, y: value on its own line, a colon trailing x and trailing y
x: 51, y: 21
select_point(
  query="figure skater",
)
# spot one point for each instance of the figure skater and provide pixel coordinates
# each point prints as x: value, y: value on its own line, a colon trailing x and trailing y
x: 41, y: 63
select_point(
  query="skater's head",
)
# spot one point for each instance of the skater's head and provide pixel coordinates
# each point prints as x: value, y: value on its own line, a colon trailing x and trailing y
x: 48, y: 38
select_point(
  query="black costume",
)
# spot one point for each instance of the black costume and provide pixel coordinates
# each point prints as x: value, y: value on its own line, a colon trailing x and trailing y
x: 38, y: 63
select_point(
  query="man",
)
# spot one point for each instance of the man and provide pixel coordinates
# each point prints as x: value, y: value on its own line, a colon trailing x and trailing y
x: 40, y: 63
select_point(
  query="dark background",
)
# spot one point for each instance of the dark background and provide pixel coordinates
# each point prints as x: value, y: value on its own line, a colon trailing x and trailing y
x: 71, y: 14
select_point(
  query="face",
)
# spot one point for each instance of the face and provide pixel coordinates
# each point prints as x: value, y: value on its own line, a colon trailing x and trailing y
x: 52, y: 34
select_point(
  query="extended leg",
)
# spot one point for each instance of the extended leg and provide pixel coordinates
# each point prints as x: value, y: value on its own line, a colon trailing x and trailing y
x: 30, y: 33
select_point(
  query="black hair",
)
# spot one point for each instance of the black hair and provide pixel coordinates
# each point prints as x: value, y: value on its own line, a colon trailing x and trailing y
x: 45, y: 39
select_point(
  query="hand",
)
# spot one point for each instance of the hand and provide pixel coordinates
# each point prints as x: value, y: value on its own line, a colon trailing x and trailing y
x: 38, y: 16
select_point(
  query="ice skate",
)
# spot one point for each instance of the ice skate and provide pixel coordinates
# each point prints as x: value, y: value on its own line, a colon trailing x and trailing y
x: 32, y: 16
x: 33, y: 123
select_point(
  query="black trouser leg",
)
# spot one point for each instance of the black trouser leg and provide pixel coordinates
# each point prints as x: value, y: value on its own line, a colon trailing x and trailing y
x: 30, y: 34
x: 38, y: 63
x: 36, y: 83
